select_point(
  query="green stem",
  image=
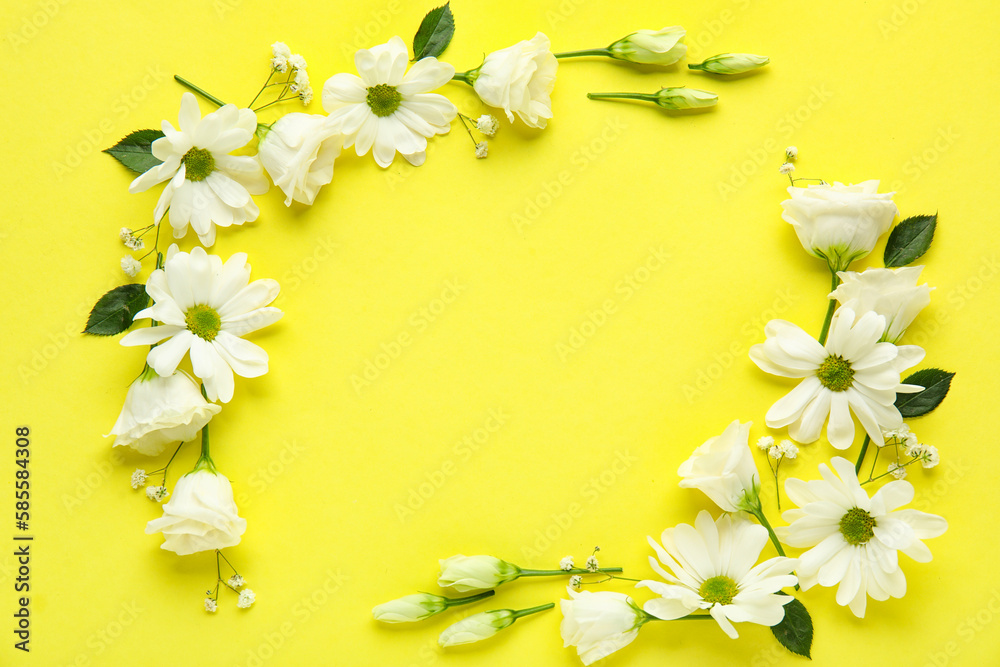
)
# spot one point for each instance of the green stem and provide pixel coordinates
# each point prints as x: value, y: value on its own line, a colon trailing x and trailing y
x: 861, y: 457
x: 208, y: 96
x: 645, y: 97
x: 465, y: 77
x: 262, y: 88
x: 169, y: 462
x: 759, y: 513
x: 576, y: 570
x: 533, y: 610
x: 453, y: 602
x: 693, y: 617
x: 584, y: 52
x: 830, y: 309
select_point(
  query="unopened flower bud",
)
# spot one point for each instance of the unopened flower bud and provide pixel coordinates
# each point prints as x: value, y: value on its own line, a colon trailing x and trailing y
x: 731, y: 63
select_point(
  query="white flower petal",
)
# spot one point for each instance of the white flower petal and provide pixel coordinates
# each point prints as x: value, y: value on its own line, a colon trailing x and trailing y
x: 164, y: 357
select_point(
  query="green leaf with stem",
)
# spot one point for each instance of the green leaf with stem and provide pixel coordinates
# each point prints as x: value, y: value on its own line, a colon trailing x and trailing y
x: 435, y: 33
x: 135, y: 150
x: 113, y: 312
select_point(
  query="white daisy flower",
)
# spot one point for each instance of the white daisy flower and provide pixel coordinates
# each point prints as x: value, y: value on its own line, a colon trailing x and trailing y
x: 713, y: 565
x: 853, y: 372
x: 206, y: 306
x: 854, y: 538
x: 388, y: 107
x: 207, y: 186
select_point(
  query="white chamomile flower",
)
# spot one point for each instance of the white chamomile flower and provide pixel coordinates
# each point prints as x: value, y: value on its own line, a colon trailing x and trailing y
x: 713, y: 565
x: 206, y: 186
x: 765, y: 442
x: 855, y: 539
x: 487, y: 124
x: 138, y: 478
x: 576, y: 582
x: 211, y: 605
x: 853, y: 372
x: 791, y: 153
x: 157, y: 493
x: 387, y: 107
x: 206, y: 307
x: 482, y: 149
x: 247, y: 598
x: 236, y: 581
x: 592, y: 565
x: 566, y: 563
x: 897, y: 471
x: 131, y: 266
x: 786, y: 168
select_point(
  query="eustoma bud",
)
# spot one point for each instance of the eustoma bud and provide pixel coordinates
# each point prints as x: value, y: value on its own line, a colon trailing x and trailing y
x: 731, y: 63
x: 685, y: 98
x: 651, y: 47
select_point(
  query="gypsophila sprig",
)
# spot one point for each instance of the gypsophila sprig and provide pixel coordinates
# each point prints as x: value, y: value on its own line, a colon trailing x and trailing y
x: 566, y: 563
x: 247, y: 598
x: 138, y: 478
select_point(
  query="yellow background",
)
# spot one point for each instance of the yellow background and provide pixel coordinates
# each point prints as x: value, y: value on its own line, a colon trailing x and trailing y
x: 899, y: 90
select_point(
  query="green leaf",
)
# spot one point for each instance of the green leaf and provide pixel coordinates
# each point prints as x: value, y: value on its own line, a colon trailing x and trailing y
x: 435, y: 33
x: 795, y: 632
x: 113, y: 312
x: 910, y: 240
x: 936, y: 384
x: 135, y: 151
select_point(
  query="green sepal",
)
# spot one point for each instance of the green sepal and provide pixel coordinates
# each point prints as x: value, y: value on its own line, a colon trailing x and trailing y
x: 435, y: 33
x: 135, y: 151
x: 113, y: 312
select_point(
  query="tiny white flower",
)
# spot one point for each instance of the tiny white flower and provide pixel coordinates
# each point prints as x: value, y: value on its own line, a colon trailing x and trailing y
x: 135, y: 243
x: 897, y: 471
x: 125, y: 234
x: 765, y: 442
x: 482, y: 148
x: 592, y: 565
x: 487, y: 124
x: 306, y: 96
x: 130, y: 265
x: 775, y: 452
x: 138, y: 478
x: 297, y: 63
x: 910, y: 440
x: 791, y: 153
x: 279, y: 63
x: 786, y: 168
x: 281, y: 49
x: 788, y: 449
x: 929, y: 456
x: 236, y: 581
x: 157, y: 493
x: 211, y: 605
x: 301, y: 79
x: 247, y: 598
x: 576, y: 582
x: 566, y: 563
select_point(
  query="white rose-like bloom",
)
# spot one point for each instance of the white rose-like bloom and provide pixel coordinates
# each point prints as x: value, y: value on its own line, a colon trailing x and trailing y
x: 891, y: 293
x: 599, y: 623
x: 853, y: 372
x: 473, y: 573
x: 839, y: 223
x: 388, y: 107
x: 713, y: 565
x: 410, y: 608
x: 732, y: 63
x: 298, y: 153
x: 651, y: 47
x: 201, y: 515
x: 854, y: 538
x: 519, y: 79
x: 161, y: 410
x: 723, y: 468
x: 208, y: 187
x: 205, y: 307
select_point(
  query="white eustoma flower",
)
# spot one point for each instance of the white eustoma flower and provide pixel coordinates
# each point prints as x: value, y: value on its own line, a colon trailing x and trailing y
x: 207, y: 187
x: 473, y: 573
x: 388, y: 107
x: 599, y: 623
x: 200, y: 516
x: 410, y: 608
x: 731, y: 63
x: 298, y: 153
x: 855, y: 539
x: 713, y: 565
x: 651, y: 47
x: 519, y: 79
x: 723, y: 468
x: 853, y: 372
x: 205, y: 307
x: 891, y: 293
x: 839, y: 223
x: 161, y: 410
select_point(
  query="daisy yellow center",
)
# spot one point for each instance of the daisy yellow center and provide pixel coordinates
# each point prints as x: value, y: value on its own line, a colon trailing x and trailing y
x: 857, y: 526
x: 836, y: 373
x: 203, y: 321
x: 383, y: 99
x: 718, y: 590
x: 198, y: 164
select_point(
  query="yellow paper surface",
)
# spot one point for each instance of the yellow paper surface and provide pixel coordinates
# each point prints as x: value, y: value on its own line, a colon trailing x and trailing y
x: 650, y: 246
